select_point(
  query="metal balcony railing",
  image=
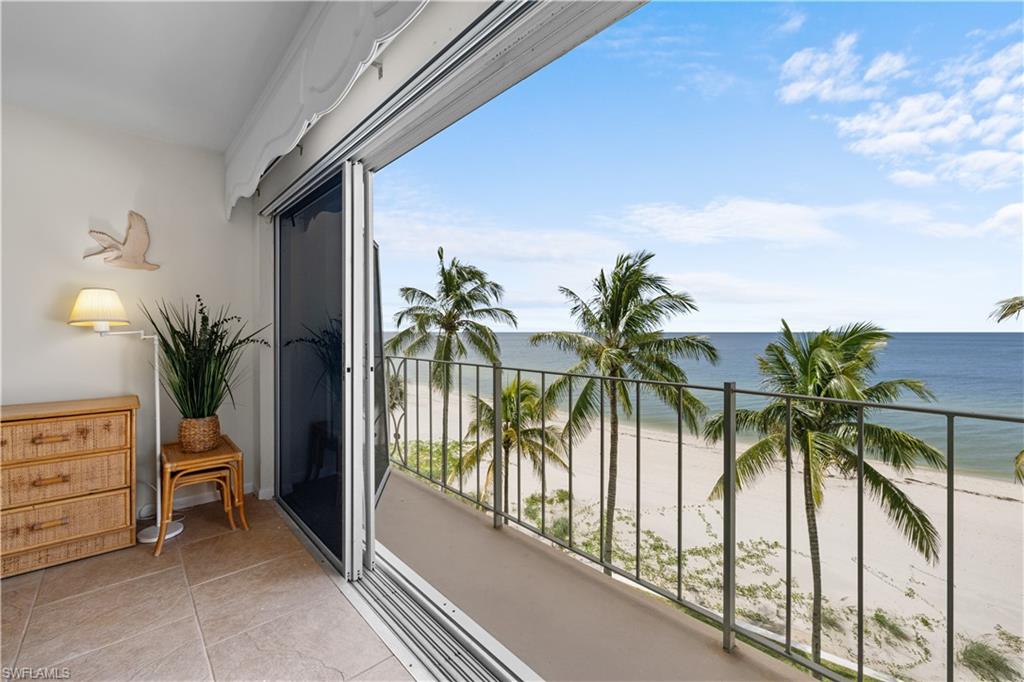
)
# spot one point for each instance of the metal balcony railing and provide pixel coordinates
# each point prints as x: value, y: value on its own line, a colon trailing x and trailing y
x: 411, y: 420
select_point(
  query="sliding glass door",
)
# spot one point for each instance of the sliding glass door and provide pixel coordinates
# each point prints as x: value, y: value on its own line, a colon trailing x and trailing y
x: 312, y: 332
x: 331, y: 426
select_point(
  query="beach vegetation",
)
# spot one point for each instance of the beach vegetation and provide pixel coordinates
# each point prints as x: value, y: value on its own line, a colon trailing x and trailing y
x: 835, y: 363
x: 831, y: 619
x: 1010, y: 641
x: 986, y: 661
x: 890, y: 627
x: 620, y: 337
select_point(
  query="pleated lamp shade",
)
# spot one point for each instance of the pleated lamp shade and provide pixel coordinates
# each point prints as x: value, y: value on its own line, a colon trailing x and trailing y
x: 98, y: 308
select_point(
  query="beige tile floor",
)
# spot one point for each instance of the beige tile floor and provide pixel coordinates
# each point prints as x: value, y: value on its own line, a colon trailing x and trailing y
x: 218, y: 604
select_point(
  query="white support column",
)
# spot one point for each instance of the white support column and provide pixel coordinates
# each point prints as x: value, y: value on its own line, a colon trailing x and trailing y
x: 358, y: 358
x: 369, y: 384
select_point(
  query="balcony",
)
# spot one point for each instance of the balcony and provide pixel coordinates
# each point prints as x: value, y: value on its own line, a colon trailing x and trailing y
x: 565, y: 620
x: 691, y: 573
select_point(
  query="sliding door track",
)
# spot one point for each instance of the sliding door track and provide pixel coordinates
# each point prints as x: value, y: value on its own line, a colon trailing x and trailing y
x: 445, y: 640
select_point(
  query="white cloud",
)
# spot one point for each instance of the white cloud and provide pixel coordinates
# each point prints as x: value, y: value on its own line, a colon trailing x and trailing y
x: 1016, y: 143
x: 727, y: 219
x: 724, y: 287
x: 886, y: 66
x: 983, y: 169
x: 826, y: 75
x: 409, y: 222
x: 706, y: 79
x: 1013, y: 28
x: 793, y: 23
x: 1007, y: 221
x: 912, y: 178
x: 790, y: 224
x: 412, y: 232
x: 965, y: 129
x: 913, y: 125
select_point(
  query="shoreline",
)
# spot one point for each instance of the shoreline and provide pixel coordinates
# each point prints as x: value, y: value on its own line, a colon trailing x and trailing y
x: 974, y: 481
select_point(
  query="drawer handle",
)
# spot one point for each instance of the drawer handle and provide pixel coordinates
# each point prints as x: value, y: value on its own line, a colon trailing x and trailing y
x: 45, y: 525
x: 46, y: 440
x: 52, y: 480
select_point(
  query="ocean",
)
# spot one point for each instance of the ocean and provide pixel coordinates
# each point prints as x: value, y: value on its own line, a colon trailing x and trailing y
x: 975, y: 372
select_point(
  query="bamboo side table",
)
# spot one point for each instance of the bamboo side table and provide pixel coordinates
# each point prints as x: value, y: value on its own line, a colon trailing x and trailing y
x: 178, y: 464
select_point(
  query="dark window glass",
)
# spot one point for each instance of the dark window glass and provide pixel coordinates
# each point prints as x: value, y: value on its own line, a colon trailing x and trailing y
x: 311, y: 373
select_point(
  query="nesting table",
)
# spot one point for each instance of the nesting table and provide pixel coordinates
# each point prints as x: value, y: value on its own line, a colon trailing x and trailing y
x: 221, y: 465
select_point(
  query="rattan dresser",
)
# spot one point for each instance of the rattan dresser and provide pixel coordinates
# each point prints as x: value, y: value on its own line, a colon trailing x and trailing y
x: 67, y: 481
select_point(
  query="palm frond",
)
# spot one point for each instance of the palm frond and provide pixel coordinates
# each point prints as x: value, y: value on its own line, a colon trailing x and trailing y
x: 751, y: 464
x: 908, y: 518
x: 1007, y: 308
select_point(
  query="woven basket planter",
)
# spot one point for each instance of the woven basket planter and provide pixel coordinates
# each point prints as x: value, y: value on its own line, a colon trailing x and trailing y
x: 199, y: 435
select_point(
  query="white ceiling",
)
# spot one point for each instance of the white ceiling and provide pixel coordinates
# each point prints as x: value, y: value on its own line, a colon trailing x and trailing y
x: 184, y: 72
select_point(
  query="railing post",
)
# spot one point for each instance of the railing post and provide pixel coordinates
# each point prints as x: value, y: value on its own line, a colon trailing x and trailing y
x: 497, y: 446
x: 729, y: 516
x: 950, y: 535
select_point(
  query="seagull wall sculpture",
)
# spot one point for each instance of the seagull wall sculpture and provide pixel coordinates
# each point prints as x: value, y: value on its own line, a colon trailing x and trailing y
x: 131, y: 253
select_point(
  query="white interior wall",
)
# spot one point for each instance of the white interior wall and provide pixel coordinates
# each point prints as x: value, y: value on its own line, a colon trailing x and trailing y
x: 61, y: 178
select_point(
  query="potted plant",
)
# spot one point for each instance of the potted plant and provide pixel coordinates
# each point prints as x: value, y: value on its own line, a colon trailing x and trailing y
x: 199, y: 357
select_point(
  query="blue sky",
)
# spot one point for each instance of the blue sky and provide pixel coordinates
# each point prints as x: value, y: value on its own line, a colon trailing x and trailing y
x: 824, y: 163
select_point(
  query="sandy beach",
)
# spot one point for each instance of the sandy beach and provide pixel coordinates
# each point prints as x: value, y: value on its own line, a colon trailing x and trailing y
x: 905, y: 612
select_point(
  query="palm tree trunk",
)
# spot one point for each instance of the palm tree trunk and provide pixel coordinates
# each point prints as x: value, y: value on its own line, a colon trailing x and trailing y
x: 812, y: 535
x: 613, y: 474
x: 444, y: 433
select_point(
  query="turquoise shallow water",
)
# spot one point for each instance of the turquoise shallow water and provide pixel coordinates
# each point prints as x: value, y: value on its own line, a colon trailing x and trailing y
x: 977, y: 372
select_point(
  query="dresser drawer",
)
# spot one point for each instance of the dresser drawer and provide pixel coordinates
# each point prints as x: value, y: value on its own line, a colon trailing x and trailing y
x: 33, y: 559
x: 41, y: 439
x: 45, y: 524
x: 55, y: 479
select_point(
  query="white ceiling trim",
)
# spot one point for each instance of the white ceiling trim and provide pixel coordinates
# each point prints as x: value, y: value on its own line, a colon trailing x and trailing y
x: 337, y: 42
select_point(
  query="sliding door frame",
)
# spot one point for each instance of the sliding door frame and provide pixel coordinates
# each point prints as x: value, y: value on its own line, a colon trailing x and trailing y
x: 357, y: 404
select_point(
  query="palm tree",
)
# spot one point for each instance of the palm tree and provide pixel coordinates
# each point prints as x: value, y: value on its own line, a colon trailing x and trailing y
x: 1008, y: 307
x: 620, y: 337
x: 529, y: 434
x: 450, y: 320
x: 1005, y: 309
x: 833, y: 364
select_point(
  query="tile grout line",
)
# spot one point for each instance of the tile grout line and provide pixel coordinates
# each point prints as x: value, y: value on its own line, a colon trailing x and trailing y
x: 123, y: 639
x: 401, y: 653
x: 239, y: 570
x: 179, y: 565
x: 114, y: 584
x: 28, y: 618
x: 199, y: 626
x: 116, y: 642
x: 258, y: 625
x: 380, y: 662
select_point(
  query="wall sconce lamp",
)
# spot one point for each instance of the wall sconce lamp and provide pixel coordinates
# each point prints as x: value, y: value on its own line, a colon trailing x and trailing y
x: 102, y: 309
